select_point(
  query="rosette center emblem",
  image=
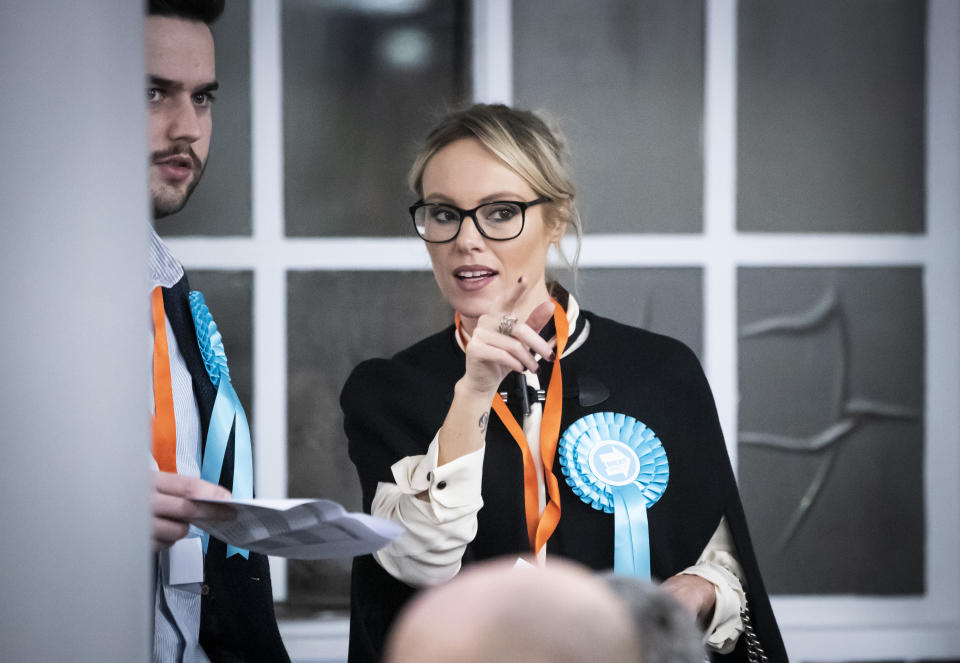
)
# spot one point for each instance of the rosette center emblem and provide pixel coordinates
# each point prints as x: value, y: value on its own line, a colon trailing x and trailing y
x: 614, y: 463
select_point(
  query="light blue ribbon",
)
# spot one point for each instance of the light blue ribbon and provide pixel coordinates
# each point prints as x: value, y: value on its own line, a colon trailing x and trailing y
x: 617, y: 465
x: 227, y: 415
x: 630, y: 527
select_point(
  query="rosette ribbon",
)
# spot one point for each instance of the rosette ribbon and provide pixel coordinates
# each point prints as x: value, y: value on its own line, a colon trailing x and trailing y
x: 617, y: 465
x: 227, y: 415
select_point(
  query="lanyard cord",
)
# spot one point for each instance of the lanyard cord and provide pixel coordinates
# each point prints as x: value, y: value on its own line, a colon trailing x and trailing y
x: 164, y: 422
x: 539, y: 526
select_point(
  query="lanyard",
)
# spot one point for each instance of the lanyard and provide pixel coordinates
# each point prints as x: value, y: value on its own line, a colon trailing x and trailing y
x: 539, y: 526
x: 164, y: 422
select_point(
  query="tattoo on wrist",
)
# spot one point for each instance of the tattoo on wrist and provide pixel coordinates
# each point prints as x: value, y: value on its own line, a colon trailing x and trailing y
x: 484, y: 420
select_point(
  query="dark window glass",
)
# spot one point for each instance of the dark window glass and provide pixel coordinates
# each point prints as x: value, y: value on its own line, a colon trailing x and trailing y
x: 831, y: 115
x: 667, y: 301
x: 220, y: 205
x: 361, y: 88
x: 335, y: 321
x: 624, y: 80
x: 831, y: 427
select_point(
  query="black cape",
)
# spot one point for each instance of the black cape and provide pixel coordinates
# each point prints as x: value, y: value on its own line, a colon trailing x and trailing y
x: 393, y: 409
x: 237, y: 620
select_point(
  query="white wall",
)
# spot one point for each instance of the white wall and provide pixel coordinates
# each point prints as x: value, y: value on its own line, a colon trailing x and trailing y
x: 74, y: 340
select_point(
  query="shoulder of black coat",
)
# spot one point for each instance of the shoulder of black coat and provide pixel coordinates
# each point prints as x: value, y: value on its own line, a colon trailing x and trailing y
x: 626, y: 343
x: 414, y: 363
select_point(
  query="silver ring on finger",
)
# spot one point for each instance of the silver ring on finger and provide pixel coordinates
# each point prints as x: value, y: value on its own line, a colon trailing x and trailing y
x: 507, y: 321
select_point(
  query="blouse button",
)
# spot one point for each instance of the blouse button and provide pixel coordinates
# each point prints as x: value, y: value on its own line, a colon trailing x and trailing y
x: 441, y: 485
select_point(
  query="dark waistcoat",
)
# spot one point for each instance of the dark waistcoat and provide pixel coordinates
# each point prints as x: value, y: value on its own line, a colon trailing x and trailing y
x: 237, y: 621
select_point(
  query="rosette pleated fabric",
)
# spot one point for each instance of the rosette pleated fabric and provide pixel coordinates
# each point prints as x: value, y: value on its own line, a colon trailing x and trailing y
x: 617, y: 465
x: 227, y: 415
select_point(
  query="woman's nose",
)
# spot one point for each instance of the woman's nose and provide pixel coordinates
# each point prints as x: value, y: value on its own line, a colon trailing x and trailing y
x: 469, y: 236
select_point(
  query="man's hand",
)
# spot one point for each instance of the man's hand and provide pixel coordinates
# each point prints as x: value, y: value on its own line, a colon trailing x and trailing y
x: 173, y: 510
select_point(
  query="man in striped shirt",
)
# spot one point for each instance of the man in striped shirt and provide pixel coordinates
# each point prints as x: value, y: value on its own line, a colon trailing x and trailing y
x: 207, y: 607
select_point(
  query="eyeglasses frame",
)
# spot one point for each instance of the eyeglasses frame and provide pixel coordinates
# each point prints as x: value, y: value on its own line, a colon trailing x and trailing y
x: 472, y: 213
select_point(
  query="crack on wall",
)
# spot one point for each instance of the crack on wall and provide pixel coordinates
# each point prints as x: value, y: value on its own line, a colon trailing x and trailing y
x: 852, y: 412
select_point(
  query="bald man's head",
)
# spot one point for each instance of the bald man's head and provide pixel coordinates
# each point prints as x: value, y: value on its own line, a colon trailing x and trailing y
x: 495, y: 612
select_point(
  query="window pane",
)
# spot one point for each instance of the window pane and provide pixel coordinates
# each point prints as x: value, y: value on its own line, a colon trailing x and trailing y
x: 336, y: 320
x: 831, y: 427
x: 624, y: 78
x: 667, y: 301
x: 220, y: 205
x: 362, y: 86
x: 831, y: 115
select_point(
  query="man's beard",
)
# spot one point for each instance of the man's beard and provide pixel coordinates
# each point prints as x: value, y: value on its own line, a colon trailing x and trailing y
x: 165, y: 206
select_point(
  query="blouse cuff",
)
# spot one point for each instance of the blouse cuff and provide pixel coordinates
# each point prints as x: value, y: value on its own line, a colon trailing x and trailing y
x: 726, y: 626
x: 451, y: 486
x: 438, y: 508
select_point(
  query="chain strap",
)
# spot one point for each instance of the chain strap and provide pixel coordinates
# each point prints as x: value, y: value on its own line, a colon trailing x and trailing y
x: 755, y: 653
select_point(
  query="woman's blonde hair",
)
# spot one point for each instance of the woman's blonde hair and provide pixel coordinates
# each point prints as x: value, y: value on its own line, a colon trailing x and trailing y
x: 523, y: 142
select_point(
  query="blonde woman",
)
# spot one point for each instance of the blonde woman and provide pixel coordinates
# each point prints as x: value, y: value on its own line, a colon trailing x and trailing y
x: 481, y: 442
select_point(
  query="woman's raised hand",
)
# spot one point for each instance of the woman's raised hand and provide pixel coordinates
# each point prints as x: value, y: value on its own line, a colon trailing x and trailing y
x: 494, y: 350
x: 500, y: 343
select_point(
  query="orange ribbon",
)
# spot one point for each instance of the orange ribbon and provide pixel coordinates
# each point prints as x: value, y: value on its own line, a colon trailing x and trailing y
x: 164, y: 422
x: 539, y: 526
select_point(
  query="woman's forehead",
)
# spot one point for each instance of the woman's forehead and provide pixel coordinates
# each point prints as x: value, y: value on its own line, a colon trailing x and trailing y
x: 467, y: 172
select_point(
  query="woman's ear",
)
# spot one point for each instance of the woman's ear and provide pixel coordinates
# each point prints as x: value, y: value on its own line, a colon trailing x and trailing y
x: 557, y: 235
x: 558, y: 227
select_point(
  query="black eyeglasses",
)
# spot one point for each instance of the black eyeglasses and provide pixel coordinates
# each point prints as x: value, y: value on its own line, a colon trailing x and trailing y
x: 501, y: 220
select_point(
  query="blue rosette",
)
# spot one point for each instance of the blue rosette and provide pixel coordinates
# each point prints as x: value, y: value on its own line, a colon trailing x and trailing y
x: 209, y: 339
x: 617, y: 465
x: 227, y: 414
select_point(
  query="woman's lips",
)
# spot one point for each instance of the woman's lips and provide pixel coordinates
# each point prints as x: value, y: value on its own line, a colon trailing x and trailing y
x: 473, y: 277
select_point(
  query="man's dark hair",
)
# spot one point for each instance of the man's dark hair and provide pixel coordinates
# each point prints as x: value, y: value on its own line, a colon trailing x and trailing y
x: 206, y: 11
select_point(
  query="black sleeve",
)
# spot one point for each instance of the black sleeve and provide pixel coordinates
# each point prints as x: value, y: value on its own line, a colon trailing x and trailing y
x: 389, y: 413
x: 758, y: 602
x: 385, y: 418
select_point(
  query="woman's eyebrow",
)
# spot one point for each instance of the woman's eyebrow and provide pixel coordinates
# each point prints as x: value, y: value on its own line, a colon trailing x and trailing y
x: 491, y: 198
x: 501, y: 195
x: 437, y: 198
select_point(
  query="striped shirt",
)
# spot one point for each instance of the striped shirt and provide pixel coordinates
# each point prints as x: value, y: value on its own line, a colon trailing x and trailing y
x: 176, y: 607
